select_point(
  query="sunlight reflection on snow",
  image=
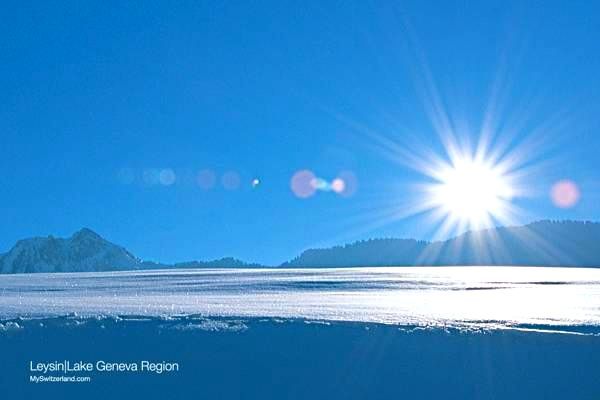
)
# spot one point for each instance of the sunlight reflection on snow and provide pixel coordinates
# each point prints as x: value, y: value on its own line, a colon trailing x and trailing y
x: 431, y: 296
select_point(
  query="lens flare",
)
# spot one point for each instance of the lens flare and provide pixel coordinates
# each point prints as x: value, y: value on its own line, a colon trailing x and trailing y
x: 320, y: 184
x: 338, y: 185
x: 167, y: 177
x: 231, y: 180
x: 345, y: 184
x: 206, y: 179
x: 302, y: 184
x: 565, y: 194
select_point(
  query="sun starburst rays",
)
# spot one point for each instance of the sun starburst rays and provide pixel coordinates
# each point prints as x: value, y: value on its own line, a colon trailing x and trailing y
x: 471, y: 190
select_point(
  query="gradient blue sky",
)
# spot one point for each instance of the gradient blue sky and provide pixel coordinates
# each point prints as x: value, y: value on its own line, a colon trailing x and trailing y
x: 92, y: 89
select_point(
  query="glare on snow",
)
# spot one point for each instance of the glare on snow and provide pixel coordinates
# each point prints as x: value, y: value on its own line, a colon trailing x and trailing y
x: 456, y: 296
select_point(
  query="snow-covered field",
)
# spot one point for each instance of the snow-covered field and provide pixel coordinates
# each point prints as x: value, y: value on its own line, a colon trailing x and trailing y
x: 567, y: 299
x: 361, y: 333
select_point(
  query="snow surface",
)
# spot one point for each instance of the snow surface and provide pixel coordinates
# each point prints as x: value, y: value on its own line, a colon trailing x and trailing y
x: 455, y: 297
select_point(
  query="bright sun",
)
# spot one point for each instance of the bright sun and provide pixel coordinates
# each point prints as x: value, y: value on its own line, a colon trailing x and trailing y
x: 471, y: 192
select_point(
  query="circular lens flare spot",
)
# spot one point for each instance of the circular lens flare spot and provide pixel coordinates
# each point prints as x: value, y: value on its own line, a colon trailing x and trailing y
x: 206, y: 179
x: 302, y: 184
x: 565, y: 194
x: 231, y: 180
x: 338, y: 185
x: 167, y: 177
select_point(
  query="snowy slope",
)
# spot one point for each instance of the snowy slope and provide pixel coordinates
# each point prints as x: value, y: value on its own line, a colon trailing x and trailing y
x: 84, y: 251
x: 542, y: 243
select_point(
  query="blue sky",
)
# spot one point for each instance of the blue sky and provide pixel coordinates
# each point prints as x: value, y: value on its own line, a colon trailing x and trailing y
x: 98, y: 96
